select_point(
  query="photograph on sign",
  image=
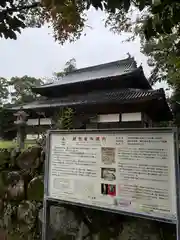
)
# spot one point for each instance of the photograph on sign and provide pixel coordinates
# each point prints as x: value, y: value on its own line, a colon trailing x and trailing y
x: 133, y: 172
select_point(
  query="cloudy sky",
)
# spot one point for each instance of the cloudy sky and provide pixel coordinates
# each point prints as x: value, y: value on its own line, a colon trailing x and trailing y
x: 35, y: 53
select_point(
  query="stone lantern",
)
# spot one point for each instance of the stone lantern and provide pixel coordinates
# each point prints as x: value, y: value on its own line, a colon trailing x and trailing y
x: 21, y: 120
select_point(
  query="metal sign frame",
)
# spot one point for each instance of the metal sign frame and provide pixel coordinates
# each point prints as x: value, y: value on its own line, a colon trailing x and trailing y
x: 53, y: 202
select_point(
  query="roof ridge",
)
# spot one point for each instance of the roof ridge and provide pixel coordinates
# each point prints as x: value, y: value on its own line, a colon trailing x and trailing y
x: 61, y: 83
x: 139, y: 89
x: 122, y: 61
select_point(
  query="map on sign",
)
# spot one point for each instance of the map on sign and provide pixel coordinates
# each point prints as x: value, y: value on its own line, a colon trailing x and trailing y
x: 133, y: 172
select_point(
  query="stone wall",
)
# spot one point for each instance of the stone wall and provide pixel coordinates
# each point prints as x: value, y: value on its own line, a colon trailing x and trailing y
x: 78, y: 224
x: 21, y: 194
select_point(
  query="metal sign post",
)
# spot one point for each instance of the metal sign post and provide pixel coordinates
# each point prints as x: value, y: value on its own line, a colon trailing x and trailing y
x: 146, y: 160
x: 177, y: 174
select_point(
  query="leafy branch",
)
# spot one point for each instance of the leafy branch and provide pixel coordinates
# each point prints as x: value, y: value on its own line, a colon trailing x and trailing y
x: 20, y: 8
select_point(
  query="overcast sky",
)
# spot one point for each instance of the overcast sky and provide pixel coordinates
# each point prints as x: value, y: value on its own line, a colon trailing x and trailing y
x: 35, y: 53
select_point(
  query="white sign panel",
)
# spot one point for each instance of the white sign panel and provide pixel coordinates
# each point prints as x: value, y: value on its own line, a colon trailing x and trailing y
x: 122, y: 171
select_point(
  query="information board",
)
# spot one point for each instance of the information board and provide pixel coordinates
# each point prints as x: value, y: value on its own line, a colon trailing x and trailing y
x: 126, y: 171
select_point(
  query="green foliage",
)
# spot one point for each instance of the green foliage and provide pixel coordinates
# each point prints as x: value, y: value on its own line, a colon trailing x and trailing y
x: 163, y: 55
x: 64, y: 118
x: 20, y: 91
x: 175, y: 103
x: 16, y: 15
x: 68, y: 17
x: 160, y: 17
x: 164, y: 58
x: 6, y: 124
x: 161, y: 46
x: 69, y: 67
x: 17, y: 91
x: 23, y: 89
x: 4, y: 93
x: 162, y: 49
x: 13, y: 15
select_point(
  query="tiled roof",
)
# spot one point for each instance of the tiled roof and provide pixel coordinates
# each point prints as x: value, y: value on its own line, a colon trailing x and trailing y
x: 106, y: 70
x: 97, y: 97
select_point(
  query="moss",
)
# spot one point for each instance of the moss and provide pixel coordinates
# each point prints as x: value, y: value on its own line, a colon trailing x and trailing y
x: 4, y: 157
x: 35, y: 189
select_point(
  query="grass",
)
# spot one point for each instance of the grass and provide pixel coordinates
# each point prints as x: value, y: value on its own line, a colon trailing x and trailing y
x: 7, y: 144
x: 13, y: 144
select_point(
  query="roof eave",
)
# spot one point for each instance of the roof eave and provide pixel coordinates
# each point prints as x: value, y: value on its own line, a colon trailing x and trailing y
x: 138, y: 71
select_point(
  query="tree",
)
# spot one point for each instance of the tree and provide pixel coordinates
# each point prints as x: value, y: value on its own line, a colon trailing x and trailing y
x: 7, y: 129
x: 162, y: 49
x: 175, y: 104
x: 5, y: 116
x: 4, y: 91
x: 16, y: 15
x: 15, y: 91
x: 68, y: 17
x: 164, y: 56
x: 22, y: 92
x: 69, y: 67
x: 18, y: 90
